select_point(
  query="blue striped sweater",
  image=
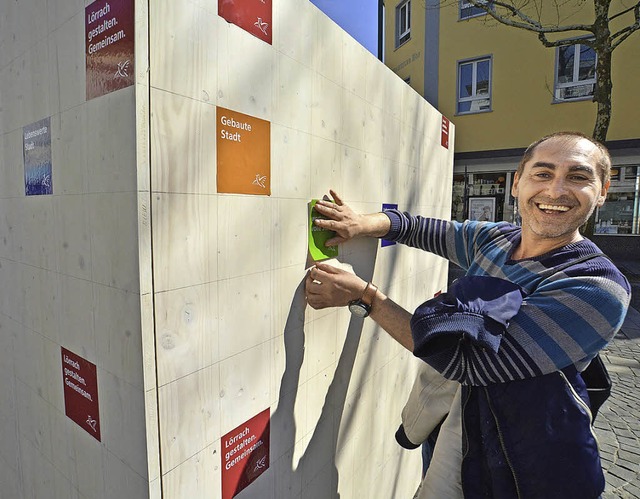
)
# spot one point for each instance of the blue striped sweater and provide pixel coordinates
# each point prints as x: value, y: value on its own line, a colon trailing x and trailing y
x: 566, y: 318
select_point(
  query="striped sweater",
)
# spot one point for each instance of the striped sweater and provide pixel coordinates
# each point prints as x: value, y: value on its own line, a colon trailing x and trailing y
x: 566, y: 317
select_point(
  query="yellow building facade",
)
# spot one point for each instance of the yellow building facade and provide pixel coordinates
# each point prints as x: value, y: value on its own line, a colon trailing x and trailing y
x: 503, y: 89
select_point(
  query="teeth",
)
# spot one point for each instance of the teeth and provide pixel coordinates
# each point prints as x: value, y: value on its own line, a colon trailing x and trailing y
x: 551, y: 207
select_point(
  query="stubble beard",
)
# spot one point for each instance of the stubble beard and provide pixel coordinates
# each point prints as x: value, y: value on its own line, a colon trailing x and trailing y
x: 551, y: 229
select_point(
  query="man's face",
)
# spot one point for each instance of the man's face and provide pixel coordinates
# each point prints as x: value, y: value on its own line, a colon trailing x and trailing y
x: 559, y: 187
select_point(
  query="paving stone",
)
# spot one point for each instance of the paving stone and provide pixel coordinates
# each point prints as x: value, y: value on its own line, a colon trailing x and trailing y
x: 622, y: 473
x: 628, y: 456
x: 623, y: 361
x: 634, y: 490
x: 624, y: 432
x: 614, y: 481
x: 632, y: 466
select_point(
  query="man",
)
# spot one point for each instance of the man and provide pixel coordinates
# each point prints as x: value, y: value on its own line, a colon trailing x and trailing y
x: 537, y: 304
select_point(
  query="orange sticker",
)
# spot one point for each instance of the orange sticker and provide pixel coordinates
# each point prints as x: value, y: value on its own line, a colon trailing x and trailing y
x: 244, y: 153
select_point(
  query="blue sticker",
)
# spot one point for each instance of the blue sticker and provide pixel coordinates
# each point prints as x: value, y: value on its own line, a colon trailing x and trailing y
x: 385, y: 207
x: 37, y: 158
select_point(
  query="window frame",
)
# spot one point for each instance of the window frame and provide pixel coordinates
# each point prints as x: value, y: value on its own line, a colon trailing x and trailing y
x: 474, y: 97
x: 403, y: 37
x: 631, y: 168
x: 464, y: 4
x: 575, y: 82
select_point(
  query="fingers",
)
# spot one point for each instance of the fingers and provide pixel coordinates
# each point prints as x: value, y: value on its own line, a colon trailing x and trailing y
x: 324, y: 223
x: 335, y: 197
x: 313, y: 279
x: 326, y: 207
x: 321, y: 271
x: 313, y: 290
x: 312, y: 286
x: 332, y: 226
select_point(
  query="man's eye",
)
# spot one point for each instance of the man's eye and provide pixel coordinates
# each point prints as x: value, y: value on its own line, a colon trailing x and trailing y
x: 542, y: 175
x: 578, y: 178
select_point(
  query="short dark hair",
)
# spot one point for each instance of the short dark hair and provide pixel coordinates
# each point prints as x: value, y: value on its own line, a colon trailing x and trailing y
x: 604, y: 162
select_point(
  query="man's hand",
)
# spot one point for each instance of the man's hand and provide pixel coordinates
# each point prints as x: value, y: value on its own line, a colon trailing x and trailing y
x: 327, y: 286
x: 346, y: 223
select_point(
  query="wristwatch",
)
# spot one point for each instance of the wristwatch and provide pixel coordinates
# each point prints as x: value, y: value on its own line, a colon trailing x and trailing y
x: 362, y: 307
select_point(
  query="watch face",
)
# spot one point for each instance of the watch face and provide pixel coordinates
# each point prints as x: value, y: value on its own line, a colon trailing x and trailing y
x: 359, y: 309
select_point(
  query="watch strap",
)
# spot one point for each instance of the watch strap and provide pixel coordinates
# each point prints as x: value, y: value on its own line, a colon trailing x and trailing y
x: 369, y: 294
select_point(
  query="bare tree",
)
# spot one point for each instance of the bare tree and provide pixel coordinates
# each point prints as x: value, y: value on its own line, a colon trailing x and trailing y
x: 607, y: 31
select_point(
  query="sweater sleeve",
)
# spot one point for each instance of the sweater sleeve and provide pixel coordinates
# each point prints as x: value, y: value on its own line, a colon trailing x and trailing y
x: 455, y: 241
x: 566, y: 321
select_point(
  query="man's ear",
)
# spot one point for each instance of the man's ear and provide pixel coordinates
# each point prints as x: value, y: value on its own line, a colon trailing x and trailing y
x: 603, y: 193
x: 514, y: 185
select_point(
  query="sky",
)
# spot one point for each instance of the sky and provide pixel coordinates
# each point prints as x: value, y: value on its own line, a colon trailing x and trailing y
x: 359, y: 18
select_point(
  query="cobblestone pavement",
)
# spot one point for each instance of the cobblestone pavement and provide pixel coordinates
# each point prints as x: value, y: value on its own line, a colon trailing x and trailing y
x: 618, y: 422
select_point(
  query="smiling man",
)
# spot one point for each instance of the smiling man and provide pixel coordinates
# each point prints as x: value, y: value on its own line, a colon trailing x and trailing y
x: 537, y: 304
x: 560, y: 181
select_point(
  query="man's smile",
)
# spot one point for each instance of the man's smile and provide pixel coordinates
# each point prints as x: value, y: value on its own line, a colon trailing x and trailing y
x: 553, y: 208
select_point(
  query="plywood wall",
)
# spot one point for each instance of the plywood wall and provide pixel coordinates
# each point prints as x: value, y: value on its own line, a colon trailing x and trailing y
x: 69, y: 267
x: 233, y: 335
x: 189, y: 301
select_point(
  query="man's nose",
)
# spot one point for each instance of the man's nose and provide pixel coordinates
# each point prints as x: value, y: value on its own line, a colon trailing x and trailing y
x: 557, y: 187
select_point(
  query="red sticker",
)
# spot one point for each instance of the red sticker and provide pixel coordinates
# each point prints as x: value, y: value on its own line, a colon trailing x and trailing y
x: 109, y: 37
x: 253, y: 16
x: 444, y: 138
x: 245, y: 454
x: 81, y: 392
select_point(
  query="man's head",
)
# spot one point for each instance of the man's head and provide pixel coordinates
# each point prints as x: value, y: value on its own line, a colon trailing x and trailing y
x: 603, y: 161
x: 561, y: 179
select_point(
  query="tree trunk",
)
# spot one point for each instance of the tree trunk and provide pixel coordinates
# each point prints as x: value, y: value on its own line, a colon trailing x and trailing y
x: 602, y: 94
x: 603, y: 86
x: 602, y: 97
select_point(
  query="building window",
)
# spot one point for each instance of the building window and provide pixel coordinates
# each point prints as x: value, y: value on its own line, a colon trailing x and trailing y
x: 620, y: 213
x: 474, y: 86
x: 631, y: 172
x: 403, y: 22
x: 575, y: 72
x: 468, y: 10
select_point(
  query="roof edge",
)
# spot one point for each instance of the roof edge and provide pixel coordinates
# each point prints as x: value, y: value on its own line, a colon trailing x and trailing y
x: 614, y: 145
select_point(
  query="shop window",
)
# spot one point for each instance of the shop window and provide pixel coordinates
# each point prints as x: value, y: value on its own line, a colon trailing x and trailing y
x: 618, y: 215
x: 473, y: 192
x: 615, y: 173
x: 631, y: 172
x: 458, y: 199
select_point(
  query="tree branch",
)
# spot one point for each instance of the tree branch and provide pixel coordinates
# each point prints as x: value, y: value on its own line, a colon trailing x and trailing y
x: 567, y: 41
x: 623, y: 12
x: 526, y: 22
x: 623, y: 34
